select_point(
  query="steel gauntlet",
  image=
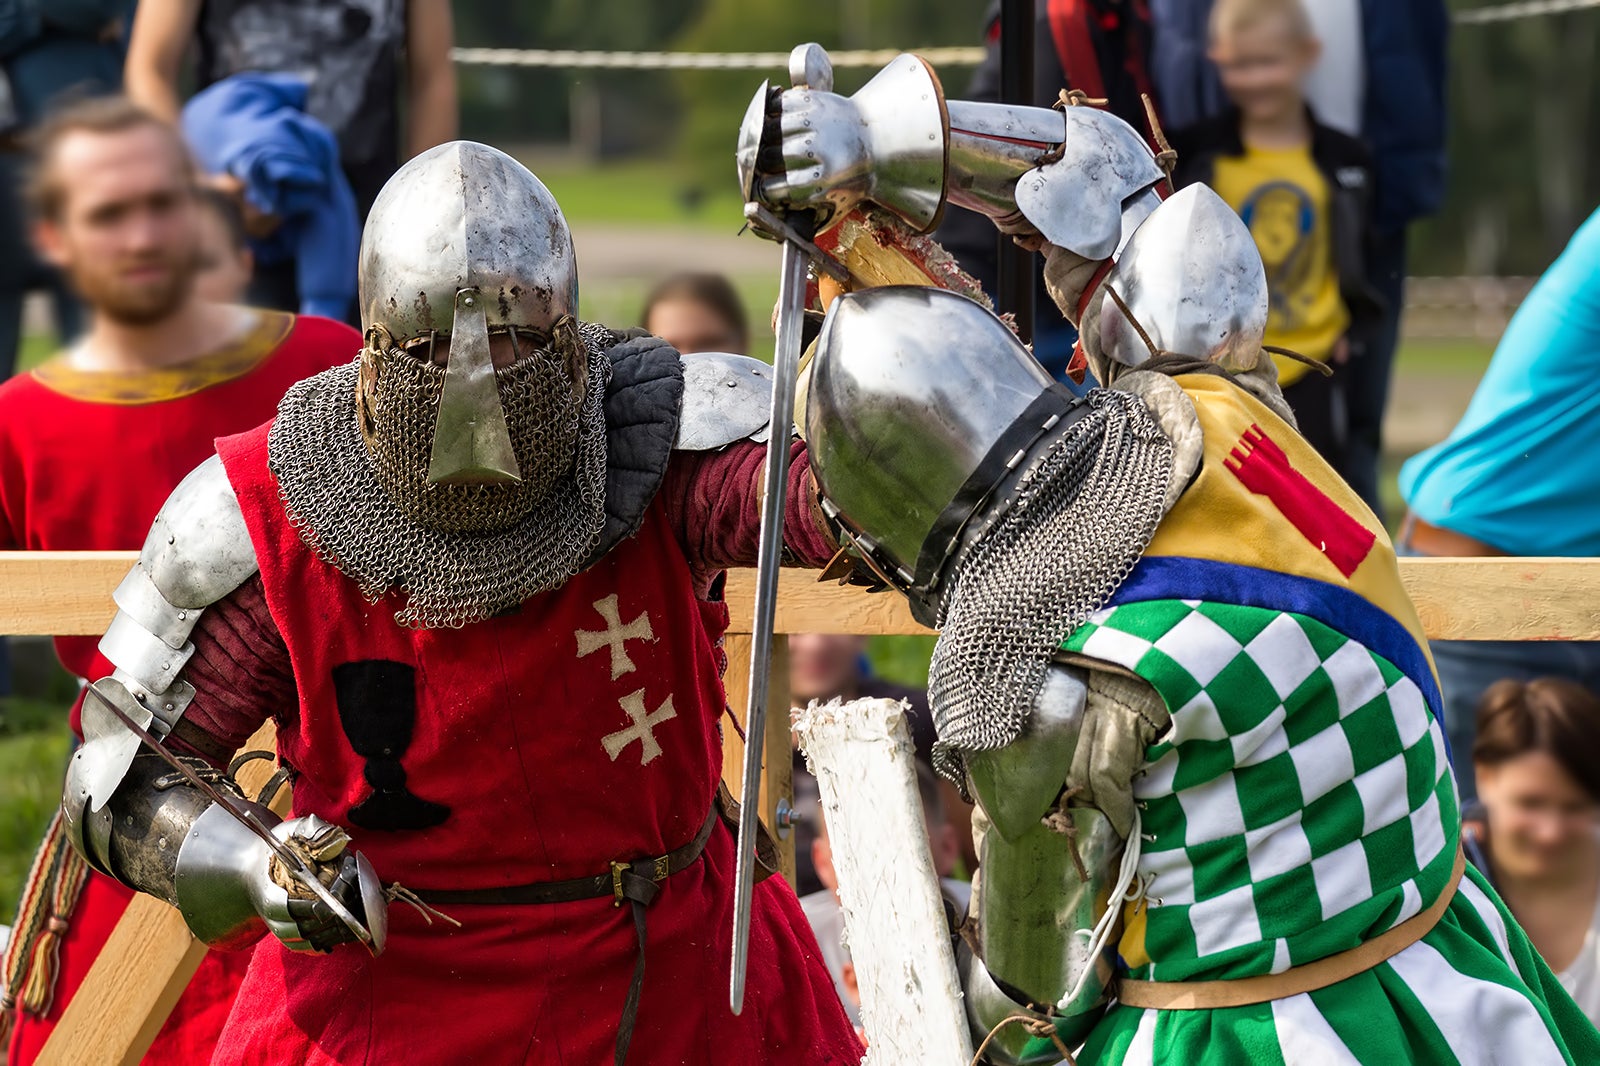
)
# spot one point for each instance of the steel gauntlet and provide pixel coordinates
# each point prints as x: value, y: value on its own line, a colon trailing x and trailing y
x: 158, y: 835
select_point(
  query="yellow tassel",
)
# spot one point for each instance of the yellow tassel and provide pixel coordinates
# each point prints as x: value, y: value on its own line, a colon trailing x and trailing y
x: 40, y: 988
x: 33, y: 958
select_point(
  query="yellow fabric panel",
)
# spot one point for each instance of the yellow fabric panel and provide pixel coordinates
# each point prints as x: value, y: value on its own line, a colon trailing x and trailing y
x: 234, y: 359
x: 1283, y: 198
x: 1131, y: 946
x: 1219, y: 518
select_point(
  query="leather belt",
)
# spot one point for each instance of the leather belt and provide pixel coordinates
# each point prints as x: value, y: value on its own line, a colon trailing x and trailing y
x: 638, y: 882
x: 1425, y: 538
x: 1244, y: 991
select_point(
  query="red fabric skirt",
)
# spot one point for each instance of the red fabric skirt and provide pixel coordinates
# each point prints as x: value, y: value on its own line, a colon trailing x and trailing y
x: 545, y: 984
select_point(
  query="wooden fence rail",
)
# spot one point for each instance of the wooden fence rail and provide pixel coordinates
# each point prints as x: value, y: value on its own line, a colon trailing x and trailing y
x: 150, y: 958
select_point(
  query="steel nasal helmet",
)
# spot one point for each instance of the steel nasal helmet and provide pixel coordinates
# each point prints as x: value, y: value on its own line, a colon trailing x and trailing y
x: 463, y: 241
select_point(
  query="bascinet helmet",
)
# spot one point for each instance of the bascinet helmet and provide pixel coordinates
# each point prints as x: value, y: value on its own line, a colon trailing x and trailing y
x: 921, y: 405
x: 464, y: 247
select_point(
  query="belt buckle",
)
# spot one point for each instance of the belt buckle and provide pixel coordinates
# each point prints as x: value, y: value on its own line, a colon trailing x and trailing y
x: 617, y: 870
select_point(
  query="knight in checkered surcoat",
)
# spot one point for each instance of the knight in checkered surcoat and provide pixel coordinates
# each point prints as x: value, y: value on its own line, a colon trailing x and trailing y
x: 1216, y: 817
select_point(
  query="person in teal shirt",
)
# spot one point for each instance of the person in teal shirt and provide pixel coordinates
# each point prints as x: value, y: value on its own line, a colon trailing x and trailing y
x: 1520, y: 475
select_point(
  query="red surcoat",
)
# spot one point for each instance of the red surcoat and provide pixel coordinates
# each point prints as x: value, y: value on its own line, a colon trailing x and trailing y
x: 580, y: 728
x: 86, y: 461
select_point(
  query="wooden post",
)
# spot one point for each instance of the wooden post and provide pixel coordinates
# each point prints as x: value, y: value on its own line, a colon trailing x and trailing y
x: 127, y: 995
x: 777, y: 778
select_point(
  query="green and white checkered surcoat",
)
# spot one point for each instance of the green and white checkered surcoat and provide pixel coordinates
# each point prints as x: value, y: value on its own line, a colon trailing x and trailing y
x: 1301, y: 804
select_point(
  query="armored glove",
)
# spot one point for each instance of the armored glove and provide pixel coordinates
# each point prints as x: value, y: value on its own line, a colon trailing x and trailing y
x: 232, y: 887
x: 808, y: 149
x: 1123, y: 717
x: 814, y: 153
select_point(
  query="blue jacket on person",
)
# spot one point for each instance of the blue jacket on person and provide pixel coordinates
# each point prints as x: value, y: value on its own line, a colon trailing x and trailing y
x: 1404, y: 120
x: 51, y: 51
x: 254, y: 127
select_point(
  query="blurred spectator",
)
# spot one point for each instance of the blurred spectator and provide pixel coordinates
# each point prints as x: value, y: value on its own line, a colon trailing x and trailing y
x: 251, y: 133
x: 91, y: 444
x: 49, y: 52
x: 363, y: 60
x: 1401, y: 96
x: 822, y: 906
x: 1537, y: 771
x: 1101, y: 47
x: 697, y: 312
x: 225, y: 261
x: 1517, y: 476
x: 1304, y: 190
x: 825, y: 666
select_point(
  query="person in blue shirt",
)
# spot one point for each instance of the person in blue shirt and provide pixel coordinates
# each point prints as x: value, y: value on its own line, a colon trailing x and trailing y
x: 1519, y: 476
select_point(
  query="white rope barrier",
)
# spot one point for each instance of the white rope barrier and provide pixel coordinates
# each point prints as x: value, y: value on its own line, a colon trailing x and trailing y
x: 570, y: 59
x: 575, y: 60
x: 1524, y: 10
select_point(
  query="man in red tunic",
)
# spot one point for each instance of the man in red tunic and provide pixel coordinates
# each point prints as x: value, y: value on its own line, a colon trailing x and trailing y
x: 475, y: 580
x: 94, y: 440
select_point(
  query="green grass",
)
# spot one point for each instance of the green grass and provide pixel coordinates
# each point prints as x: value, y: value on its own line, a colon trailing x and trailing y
x: 31, y: 767
x: 618, y: 304
x: 1443, y: 358
x: 35, y: 350
x: 903, y: 660
x: 643, y: 192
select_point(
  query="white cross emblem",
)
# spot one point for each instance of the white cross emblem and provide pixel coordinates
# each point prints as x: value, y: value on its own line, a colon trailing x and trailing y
x: 615, y: 635
x: 641, y: 729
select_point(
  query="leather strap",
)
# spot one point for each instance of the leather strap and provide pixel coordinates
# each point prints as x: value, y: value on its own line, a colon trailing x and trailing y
x: 1425, y: 538
x: 1244, y: 991
x: 637, y: 880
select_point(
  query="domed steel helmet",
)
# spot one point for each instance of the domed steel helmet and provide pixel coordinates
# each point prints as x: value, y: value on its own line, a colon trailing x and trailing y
x: 920, y: 404
x: 464, y: 242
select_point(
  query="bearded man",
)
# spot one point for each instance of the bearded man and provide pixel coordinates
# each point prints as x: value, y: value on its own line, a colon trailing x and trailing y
x: 475, y: 579
x: 94, y: 440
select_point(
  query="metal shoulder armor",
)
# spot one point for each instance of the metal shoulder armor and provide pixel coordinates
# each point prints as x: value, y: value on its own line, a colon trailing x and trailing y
x: 197, y: 552
x: 726, y: 398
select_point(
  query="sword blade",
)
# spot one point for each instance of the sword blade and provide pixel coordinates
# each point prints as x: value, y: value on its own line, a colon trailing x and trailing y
x: 786, y: 368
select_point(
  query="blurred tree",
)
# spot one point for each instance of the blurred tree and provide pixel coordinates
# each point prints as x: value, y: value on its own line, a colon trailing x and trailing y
x: 520, y: 105
x: 1524, y: 168
x: 716, y: 100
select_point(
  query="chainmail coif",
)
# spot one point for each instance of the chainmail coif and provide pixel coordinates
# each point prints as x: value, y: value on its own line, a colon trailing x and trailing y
x: 1078, y: 522
x: 457, y: 553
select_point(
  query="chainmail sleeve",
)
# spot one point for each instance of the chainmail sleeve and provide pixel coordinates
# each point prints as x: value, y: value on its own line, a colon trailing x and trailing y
x: 713, y: 502
x: 241, y: 674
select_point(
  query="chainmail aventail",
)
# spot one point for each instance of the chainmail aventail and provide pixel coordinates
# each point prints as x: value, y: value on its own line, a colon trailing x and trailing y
x: 1079, y: 520
x: 457, y: 554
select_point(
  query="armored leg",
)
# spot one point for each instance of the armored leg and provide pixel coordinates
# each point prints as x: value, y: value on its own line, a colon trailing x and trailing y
x: 1045, y: 880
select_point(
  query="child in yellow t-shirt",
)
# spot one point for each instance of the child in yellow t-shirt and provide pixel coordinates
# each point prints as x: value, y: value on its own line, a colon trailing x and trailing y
x: 1304, y: 190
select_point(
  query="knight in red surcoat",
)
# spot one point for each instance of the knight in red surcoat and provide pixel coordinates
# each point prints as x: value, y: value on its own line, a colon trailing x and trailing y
x: 475, y: 579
